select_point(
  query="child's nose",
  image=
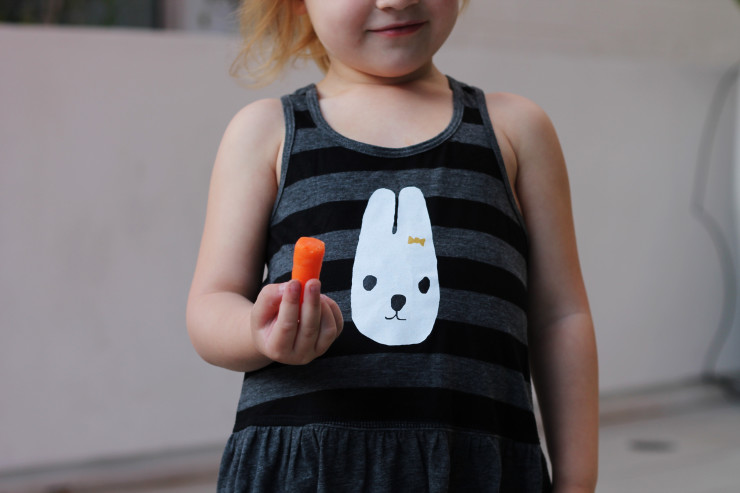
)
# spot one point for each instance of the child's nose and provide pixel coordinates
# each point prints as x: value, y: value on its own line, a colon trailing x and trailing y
x: 394, y: 4
x: 397, y: 302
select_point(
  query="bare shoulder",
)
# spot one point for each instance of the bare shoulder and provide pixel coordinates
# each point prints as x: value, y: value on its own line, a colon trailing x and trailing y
x: 523, y: 121
x: 524, y: 133
x: 265, y: 113
x: 510, y: 101
x: 255, y: 134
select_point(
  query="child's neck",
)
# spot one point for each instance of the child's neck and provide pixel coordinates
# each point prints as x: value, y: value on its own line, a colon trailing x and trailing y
x: 340, y: 79
x: 387, y: 113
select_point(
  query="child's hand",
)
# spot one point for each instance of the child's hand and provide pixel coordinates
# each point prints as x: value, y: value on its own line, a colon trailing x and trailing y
x: 288, y: 331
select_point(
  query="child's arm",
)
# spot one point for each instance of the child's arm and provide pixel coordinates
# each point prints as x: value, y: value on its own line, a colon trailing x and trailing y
x: 231, y: 322
x: 561, y: 334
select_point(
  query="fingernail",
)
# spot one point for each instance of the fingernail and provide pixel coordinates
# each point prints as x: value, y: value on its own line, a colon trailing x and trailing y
x: 289, y: 286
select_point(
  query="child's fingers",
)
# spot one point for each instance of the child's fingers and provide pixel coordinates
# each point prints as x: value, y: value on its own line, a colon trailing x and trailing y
x: 337, y: 313
x: 281, y: 338
x: 308, y: 329
x: 292, y: 332
x: 266, y: 305
x: 331, y: 325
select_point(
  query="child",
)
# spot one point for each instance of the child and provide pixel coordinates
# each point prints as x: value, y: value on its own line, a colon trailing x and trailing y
x: 450, y: 270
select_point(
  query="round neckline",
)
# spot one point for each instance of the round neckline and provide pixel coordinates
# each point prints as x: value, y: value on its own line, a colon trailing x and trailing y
x: 372, y: 149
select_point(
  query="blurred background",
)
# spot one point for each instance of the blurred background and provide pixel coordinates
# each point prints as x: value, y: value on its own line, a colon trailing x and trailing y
x: 110, y: 116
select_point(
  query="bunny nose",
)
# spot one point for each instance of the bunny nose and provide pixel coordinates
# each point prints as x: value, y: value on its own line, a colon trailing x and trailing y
x: 397, y: 302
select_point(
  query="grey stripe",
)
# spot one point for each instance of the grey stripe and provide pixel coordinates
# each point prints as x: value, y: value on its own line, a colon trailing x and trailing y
x: 311, y: 139
x: 474, y: 134
x: 344, y: 300
x: 389, y: 370
x: 480, y: 247
x: 359, y: 185
x: 483, y: 310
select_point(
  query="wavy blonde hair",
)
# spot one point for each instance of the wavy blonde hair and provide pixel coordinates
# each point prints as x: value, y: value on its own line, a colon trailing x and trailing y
x: 275, y: 35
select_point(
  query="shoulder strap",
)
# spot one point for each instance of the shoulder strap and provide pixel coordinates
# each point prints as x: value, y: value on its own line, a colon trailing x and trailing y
x: 475, y: 112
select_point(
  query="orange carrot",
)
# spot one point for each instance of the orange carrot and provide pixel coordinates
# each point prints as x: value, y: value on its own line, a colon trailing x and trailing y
x: 307, y: 258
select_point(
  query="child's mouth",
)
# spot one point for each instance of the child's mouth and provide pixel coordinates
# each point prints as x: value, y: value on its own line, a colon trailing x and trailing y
x: 399, y: 29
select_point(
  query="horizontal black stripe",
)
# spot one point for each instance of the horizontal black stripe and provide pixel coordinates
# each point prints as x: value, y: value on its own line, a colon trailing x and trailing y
x: 476, y: 216
x: 478, y: 277
x: 325, y: 218
x: 450, y: 154
x: 454, y: 273
x: 445, y: 212
x: 447, y: 337
x: 334, y: 276
x: 382, y: 407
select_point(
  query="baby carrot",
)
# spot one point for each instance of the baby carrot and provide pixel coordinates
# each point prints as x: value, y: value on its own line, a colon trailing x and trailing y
x: 307, y: 258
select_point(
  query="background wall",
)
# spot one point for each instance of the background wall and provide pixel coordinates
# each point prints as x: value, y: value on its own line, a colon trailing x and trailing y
x: 106, y: 144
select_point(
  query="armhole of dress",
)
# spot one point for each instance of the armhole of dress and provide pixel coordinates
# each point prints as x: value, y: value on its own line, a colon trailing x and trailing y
x: 488, y: 124
x: 289, y: 117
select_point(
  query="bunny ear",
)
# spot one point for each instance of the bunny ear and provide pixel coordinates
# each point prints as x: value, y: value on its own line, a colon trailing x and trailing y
x: 413, y: 218
x: 380, y: 212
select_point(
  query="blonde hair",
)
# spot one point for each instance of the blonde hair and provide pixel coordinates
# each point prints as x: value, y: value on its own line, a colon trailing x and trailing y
x: 274, y: 35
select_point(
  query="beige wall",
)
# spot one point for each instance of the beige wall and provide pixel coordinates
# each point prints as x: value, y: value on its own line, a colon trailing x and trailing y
x: 106, y: 142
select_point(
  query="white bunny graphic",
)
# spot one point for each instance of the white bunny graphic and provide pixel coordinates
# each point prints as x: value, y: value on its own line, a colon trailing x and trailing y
x: 395, y: 285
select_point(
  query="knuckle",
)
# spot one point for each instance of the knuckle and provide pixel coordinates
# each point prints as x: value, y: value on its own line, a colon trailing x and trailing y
x: 277, y: 349
x: 309, y: 331
x: 322, y: 347
x: 284, y: 328
x: 274, y: 352
x: 306, y: 358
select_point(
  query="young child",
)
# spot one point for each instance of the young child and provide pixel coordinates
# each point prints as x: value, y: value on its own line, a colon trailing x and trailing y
x: 451, y: 280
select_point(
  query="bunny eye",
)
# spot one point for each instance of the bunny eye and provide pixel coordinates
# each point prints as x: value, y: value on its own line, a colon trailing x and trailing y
x: 369, y: 282
x: 424, y: 285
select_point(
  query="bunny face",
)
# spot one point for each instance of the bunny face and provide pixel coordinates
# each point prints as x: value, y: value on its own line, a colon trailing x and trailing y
x: 395, y: 286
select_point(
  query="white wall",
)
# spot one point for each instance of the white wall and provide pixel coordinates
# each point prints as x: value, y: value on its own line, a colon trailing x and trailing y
x: 106, y: 142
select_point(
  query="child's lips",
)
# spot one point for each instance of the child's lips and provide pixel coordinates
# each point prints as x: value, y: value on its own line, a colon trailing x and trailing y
x: 399, y: 29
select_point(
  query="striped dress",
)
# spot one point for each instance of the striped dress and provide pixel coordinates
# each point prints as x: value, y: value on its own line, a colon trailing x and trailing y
x: 428, y: 386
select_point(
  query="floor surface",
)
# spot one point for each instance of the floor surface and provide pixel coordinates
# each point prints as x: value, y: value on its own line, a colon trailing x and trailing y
x: 696, y: 451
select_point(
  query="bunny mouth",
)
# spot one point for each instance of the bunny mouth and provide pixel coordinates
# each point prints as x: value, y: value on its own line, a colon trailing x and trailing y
x: 395, y: 317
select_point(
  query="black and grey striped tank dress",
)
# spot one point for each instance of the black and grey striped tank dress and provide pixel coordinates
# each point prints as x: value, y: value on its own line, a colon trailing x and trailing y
x: 428, y: 386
